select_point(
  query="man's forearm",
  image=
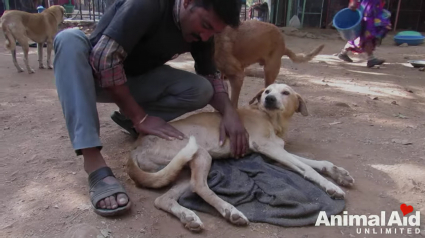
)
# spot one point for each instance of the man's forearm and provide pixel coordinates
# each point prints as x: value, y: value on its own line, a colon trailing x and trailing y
x: 125, y: 101
x: 221, y: 103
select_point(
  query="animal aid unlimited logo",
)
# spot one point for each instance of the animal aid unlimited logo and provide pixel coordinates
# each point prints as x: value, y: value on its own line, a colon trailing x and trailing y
x: 406, y: 223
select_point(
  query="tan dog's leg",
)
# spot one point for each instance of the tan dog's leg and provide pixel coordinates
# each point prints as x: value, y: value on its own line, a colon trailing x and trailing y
x: 23, y: 41
x: 49, y: 53
x: 271, y: 70
x: 40, y: 55
x: 236, y: 83
x: 15, y: 62
x: 276, y: 152
x: 339, y: 174
x: 168, y: 202
x: 200, y: 166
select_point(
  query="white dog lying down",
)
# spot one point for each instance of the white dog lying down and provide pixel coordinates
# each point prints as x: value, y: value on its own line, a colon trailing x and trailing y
x: 156, y: 162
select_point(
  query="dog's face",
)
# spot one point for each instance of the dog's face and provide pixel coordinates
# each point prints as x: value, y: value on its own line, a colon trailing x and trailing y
x: 59, y: 12
x: 280, y: 98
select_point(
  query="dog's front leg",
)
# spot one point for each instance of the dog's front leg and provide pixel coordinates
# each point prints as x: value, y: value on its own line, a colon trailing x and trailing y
x: 236, y: 82
x: 200, y: 166
x: 49, y: 53
x: 40, y: 55
x: 338, y: 174
x: 276, y: 152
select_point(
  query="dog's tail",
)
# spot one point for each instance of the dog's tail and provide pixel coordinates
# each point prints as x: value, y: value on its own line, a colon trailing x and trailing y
x: 168, y: 173
x: 301, y: 58
x: 10, y: 40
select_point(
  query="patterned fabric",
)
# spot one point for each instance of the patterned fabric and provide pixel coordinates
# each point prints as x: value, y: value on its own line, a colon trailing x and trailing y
x: 375, y: 25
x: 106, y: 60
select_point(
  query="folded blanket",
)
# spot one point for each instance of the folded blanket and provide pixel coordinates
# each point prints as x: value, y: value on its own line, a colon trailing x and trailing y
x: 264, y: 193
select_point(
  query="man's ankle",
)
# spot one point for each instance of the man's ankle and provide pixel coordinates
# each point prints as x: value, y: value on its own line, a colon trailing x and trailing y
x: 93, y: 159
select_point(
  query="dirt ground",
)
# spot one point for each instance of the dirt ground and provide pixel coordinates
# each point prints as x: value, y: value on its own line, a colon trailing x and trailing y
x: 369, y: 121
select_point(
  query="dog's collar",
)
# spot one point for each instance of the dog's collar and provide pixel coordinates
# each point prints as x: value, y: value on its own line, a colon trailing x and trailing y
x: 176, y: 13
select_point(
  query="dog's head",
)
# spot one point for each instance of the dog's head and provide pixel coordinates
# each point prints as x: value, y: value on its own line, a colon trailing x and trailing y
x: 58, y: 11
x: 280, y: 99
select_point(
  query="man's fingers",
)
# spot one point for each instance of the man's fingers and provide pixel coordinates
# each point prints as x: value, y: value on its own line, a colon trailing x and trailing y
x: 178, y: 134
x: 233, y: 145
x: 172, y: 132
x: 162, y: 135
x: 222, y: 134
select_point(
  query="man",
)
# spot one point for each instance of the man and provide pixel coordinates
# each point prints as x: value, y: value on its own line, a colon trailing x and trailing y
x: 123, y: 62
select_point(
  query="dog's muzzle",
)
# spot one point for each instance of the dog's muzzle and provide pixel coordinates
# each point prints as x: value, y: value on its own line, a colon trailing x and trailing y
x: 270, y: 102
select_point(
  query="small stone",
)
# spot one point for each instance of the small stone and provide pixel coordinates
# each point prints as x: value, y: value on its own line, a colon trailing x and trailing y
x: 142, y: 231
x: 406, y: 57
x: 56, y: 206
x: 404, y: 45
x: 422, y: 69
x: 46, y: 207
x: 394, y: 102
x: 6, y: 128
x: 74, y: 173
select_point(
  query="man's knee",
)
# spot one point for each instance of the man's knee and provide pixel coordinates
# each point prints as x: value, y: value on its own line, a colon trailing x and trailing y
x: 72, y: 38
x: 204, y: 93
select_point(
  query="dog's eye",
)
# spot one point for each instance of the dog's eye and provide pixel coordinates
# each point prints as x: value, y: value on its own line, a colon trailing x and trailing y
x: 285, y: 93
x: 267, y: 91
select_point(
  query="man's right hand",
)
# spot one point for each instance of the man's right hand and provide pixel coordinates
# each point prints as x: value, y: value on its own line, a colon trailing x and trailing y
x: 158, y: 127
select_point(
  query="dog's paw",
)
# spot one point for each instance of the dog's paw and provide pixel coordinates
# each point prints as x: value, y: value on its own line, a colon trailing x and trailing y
x: 41, y: 66
x: 235, y: 216
x: 31, y: 71
x: 20, y: 70
x: 50, y: 66
x: 341, y: 176
x: 191, y: 221
x: 335, y: 191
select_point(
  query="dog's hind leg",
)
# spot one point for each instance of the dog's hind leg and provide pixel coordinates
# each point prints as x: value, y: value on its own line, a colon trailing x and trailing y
x: 15, y: 62
x: 200, y: 166
x: 40, y: 55
x: 168, y: 202
x: 339, y: 174
x: 49, y: 53
x: 23, y: 41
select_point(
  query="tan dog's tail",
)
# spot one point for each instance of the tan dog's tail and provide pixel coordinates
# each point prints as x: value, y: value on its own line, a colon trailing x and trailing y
x: 301, y: 58
x: 168, y: 173
x: 10, y: 40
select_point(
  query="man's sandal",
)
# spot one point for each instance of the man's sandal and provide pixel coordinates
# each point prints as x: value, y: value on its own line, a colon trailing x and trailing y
x: 124, y: 123
x: 100, y: 190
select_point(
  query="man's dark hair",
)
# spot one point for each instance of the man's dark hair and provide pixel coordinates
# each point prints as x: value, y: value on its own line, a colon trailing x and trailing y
x: 227, y: 10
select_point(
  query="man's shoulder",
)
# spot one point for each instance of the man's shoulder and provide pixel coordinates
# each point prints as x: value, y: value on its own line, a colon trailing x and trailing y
x: 143, y: 6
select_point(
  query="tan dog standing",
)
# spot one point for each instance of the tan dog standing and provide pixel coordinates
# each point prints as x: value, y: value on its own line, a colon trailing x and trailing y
x: 157, y: 162
x: 253, y: 42
x: 39, y: 27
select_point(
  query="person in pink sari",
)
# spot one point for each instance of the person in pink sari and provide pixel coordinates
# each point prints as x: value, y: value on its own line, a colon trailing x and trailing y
x: 375, y: 25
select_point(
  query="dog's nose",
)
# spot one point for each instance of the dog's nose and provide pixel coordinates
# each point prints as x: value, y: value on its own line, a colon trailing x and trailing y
x: 270, y: 99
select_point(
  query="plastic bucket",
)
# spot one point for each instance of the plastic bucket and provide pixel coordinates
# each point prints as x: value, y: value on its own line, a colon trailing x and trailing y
x: 348, y: 23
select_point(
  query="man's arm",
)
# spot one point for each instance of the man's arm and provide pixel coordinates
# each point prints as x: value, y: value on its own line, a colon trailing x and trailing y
x: 231, y: 125
x: 108, y: 55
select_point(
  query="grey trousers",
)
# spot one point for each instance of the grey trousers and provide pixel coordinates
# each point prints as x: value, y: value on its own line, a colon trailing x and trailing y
x: 163, y: 92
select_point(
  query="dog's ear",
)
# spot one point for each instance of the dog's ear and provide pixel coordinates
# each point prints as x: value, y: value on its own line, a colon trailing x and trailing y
x: 302, y: 106
x: 257, y: 96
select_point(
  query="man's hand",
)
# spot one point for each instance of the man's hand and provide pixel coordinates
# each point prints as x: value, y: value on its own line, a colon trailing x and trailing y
x: 353, y: 7
x: 232, y: 126
x: 158, y: 127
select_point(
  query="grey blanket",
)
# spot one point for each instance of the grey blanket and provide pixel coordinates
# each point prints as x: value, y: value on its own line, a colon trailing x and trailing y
x: 264, y: 193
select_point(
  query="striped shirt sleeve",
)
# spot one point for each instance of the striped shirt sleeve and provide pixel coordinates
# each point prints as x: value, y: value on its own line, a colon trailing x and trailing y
x: 106, y: 60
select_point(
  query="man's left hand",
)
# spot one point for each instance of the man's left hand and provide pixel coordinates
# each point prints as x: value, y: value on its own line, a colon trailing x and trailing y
x: 232, y: 126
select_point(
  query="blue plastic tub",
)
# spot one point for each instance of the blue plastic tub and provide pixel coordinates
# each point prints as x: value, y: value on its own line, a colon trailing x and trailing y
x: 409, y: 37
x: 348, y: 23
